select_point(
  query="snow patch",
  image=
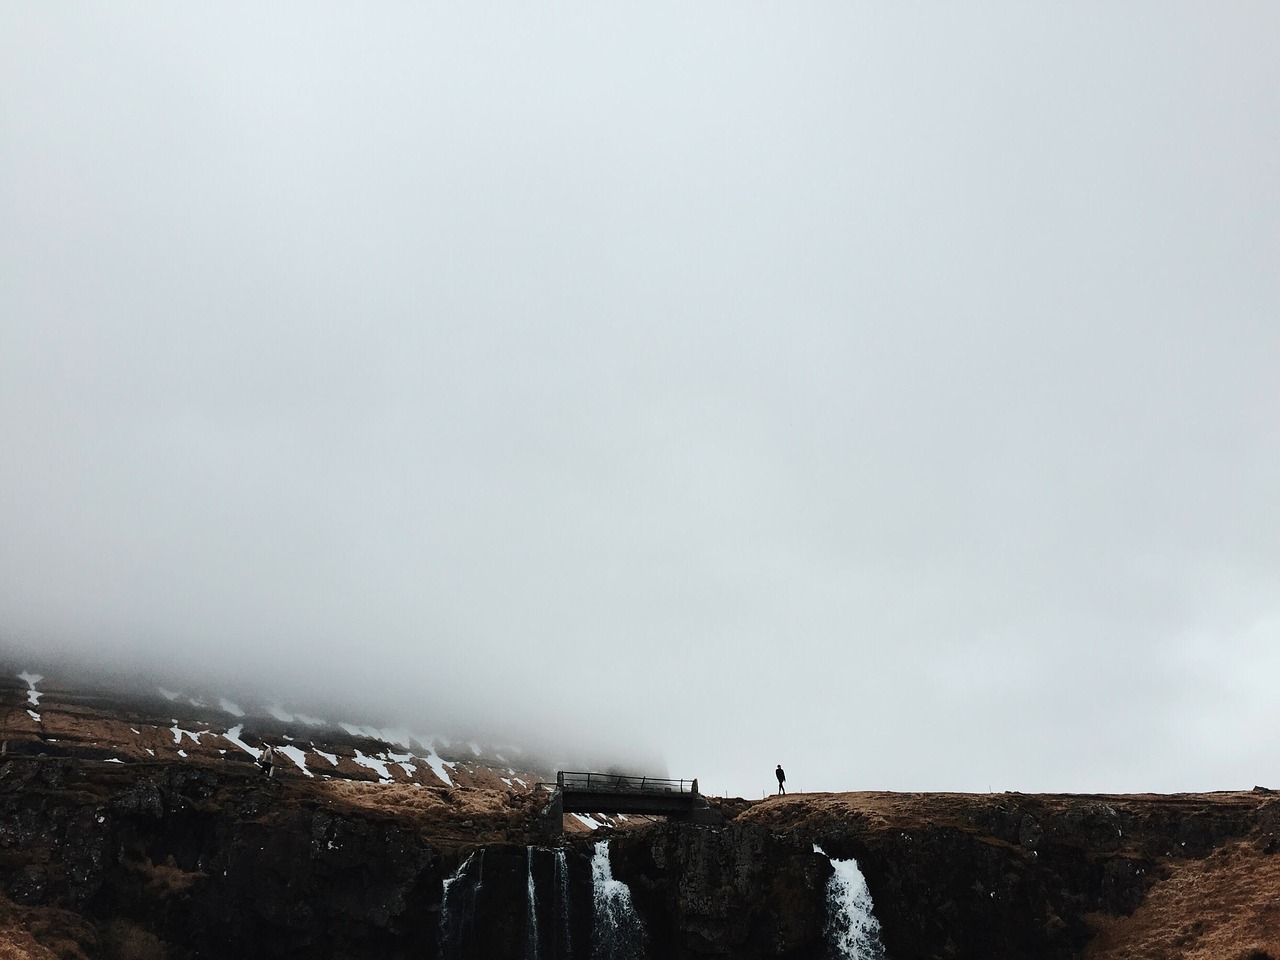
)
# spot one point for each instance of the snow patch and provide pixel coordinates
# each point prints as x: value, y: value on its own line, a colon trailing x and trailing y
x: 33, y: 715
x: 31, y: 679
x: 280, y: 714
x: 229, y: 707
x: 298, y: 757
x: 586, y: 821
x: 182, y: 753
x: 179, y: 733
x: 233, y: 736
x: 113, y: 760
x: 310, y: 721
x: 373, y: 763
x: 405, y: 762
x: 169, y: 694
x: 441, y: 767
x: 331, y: 757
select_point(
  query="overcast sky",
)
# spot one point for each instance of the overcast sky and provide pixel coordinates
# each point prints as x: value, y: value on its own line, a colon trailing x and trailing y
x: 887, y: 390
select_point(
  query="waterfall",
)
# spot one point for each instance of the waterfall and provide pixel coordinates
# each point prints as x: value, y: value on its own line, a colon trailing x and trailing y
x: 562, y: 947
x: 619, y: 934
x: 852, y: 931
x: 458, y: 909
x: 531, y: 903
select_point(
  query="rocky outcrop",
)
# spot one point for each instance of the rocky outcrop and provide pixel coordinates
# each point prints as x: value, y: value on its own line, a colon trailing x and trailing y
x: 740, y: 891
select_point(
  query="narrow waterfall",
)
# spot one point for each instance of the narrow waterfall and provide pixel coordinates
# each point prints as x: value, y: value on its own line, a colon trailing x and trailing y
x: 458, y: 909
x: 853, y: 932
x: 562, y: 947
x: 619, y: 934
x: 531, y: 904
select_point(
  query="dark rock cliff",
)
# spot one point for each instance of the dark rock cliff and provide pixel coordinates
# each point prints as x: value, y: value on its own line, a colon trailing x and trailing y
x: 219, y: 863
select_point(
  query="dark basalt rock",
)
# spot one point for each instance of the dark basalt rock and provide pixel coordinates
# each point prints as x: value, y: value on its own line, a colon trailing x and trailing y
x: 211, y: 863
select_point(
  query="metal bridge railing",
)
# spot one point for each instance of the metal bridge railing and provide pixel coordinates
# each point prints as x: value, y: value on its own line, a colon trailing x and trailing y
x: 622, y: 783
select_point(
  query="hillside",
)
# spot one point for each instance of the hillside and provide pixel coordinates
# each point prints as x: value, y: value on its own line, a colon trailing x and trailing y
x: 134, y: 823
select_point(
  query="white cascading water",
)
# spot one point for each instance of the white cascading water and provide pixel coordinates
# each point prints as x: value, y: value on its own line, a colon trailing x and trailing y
x: 562, y: 945
x: 619, y: 934
x: 531, y: 902
x: 853, y: 932
x: 458, y: 908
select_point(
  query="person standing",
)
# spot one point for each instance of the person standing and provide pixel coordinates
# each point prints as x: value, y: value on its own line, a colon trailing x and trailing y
x: 268, y: 761
x: 782, y: 779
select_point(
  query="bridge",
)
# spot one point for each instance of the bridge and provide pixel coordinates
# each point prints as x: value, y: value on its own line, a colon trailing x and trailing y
x: 620, y: 793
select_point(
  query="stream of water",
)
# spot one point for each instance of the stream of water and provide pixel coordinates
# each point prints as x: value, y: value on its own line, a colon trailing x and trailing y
x: 619, y: 934
x: 458, y: 909
x: 853, y: 932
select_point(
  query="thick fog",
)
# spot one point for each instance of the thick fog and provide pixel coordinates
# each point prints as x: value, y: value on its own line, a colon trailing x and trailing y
x: 889, y: 391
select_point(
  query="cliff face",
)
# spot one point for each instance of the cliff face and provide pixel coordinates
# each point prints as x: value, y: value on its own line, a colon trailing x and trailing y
x: 212, y: 864
x: 1013, y: 875
x: 204, y: 863
x: 177, y: 857
x: 210, y: 867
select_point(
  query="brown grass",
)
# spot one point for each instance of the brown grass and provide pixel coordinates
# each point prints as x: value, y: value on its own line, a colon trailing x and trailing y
x: 44, y: 933
x: 1225, y: 907
x: 165, y: 879
x: 447, y: 812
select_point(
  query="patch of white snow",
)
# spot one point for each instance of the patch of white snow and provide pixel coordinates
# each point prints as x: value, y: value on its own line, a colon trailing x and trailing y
x: 233, y: 735
x: 331, y: 757
x: 229, y: 707
x: 179, y: 733
x: 441, y: 767
x: 310, y: 721
x: 280, y: 714
x: 169, y: 694
x: 586, y: 821
x: 297, y: 756
x: 182, y: 753
x: 33, y: 715
x: 373, y: 763
x: 113, y: 760
x: 31, y: 679
x: 405, y: 762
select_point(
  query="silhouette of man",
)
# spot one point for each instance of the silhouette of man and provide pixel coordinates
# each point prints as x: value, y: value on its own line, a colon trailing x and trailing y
x: 782, y: 779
